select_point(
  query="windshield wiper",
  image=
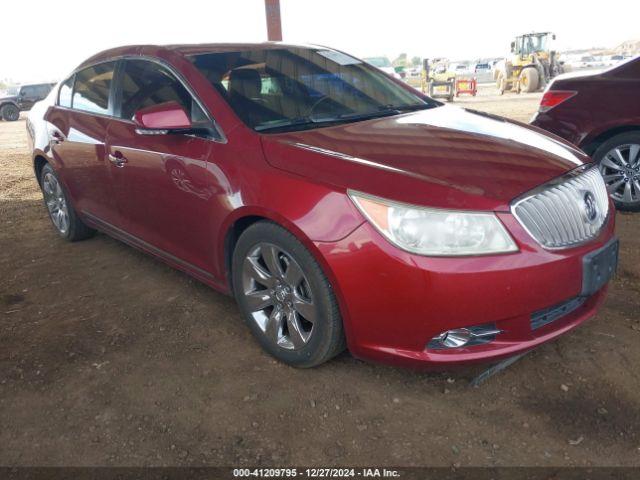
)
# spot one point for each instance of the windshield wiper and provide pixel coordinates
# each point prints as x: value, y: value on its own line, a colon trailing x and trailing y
x: 382, y: 112
x: 293, y: 122
x: 310, y: 122
x: 407, y: 108
x: 307, y: 122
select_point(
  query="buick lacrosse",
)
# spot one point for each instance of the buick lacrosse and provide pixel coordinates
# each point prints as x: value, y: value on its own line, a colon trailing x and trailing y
x: 339, y: 206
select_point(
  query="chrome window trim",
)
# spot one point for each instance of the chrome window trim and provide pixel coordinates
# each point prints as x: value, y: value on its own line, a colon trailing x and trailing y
x: 546, y: 186
x: 220, y: 138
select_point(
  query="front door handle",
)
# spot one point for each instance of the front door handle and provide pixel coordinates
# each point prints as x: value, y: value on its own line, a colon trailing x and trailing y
x: 117, y: 159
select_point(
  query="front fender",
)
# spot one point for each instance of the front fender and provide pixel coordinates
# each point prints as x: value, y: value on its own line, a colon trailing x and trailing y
x: 9, y: 102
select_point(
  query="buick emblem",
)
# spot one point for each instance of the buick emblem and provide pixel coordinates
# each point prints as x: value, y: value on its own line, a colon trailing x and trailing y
x: 590, y: 207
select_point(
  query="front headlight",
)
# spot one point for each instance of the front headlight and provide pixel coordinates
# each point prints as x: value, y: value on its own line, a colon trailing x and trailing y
x: 436, y: 232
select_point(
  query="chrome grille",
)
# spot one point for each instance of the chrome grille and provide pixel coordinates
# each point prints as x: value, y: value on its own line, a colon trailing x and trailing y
x: 567, y: 211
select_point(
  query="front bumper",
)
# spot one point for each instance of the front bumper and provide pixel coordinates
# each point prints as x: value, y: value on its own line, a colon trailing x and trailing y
x: 393, y: 302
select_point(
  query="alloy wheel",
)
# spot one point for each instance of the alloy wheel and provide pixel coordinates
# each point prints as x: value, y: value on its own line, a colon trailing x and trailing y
x: 620, y: 168
x: 12, y: 113
x: 278, y: 296
x: 56, y: 202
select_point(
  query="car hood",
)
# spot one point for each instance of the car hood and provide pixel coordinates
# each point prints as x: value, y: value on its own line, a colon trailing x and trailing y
x: 11, y: 98
x: 444, y: 157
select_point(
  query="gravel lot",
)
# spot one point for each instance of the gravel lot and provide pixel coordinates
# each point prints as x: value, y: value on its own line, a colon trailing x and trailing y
x: 109, y: 357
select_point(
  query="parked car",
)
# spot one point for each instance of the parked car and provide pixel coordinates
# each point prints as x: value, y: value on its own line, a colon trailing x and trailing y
x: 483, y: 72
x: 614, y: 59
x: 21, y: 98
x: 600, y: 113
x: 482, y: 68
x: 460, y: 68
x: 414, y: 72
x: 585, y: 62
x: 339, y: 206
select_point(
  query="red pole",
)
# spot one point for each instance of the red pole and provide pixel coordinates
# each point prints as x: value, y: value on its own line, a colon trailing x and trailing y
x: 274, y: 25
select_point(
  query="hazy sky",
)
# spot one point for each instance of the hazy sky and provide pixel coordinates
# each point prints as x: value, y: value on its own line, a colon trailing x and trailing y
x: 49, y: 38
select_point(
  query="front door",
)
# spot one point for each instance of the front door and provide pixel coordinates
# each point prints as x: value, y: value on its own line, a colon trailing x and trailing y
x: 160, y: 182
x: 27, y: 97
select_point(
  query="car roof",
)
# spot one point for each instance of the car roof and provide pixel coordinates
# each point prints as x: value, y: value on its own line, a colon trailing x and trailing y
x: 35, y: 84
x: 191, y: 49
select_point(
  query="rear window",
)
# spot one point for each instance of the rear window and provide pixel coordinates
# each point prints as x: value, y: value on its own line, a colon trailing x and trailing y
x: 92, y: 88
x: 64, y: 95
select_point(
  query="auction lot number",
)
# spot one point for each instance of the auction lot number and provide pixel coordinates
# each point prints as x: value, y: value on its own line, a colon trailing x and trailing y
x: 315, y: 473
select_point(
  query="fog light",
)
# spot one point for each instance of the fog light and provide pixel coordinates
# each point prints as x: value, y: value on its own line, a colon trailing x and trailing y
x: 465, y: 337
x: 455, y: 338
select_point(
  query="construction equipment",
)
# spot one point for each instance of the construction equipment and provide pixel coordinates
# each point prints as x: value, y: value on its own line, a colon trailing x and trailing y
x: 466, y: 85
x: 437, y: 80
x: 533, y: 63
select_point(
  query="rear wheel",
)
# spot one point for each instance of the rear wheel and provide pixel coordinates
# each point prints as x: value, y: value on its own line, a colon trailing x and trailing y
x: 10, y: 113
x: 501, y: 83
x: 61, y: 212
x: 619, y: 161
x: 529, y: 80
x: 285, y: 297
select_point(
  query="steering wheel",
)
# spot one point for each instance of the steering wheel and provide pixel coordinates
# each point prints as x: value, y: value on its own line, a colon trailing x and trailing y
x: 316, y: 104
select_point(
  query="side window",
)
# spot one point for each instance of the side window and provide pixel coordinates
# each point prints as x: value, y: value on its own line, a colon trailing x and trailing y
x: 43, y: 91
x: 92, y: 87
x: 64, y: 94
x: 145, y: 84
x: 27, y: 92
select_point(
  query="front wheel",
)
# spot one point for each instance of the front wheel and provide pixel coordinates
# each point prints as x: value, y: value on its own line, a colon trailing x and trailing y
x: 61, y: 212
x: 529, y: 80
x: 285, y: 298
x: 10, y: 113
x: 619, y: 161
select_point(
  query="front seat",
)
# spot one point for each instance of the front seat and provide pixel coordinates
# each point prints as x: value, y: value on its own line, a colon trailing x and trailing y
x: 245, y: 87
x: 245, y: 83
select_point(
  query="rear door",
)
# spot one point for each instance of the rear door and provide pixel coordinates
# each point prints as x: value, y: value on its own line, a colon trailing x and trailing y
x: 78, y: 129
x: 161, y: 183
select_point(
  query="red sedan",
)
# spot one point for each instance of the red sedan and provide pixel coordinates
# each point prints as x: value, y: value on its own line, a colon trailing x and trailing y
x: 339, y: 206
x: 600, y: 112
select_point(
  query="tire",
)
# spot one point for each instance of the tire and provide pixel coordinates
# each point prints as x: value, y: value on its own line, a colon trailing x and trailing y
x: 501, y: 83
x: 10, y: 113
x: 625, y: 194
x: 529, y: 80
x: 272, y: 272
x: 62, y: 214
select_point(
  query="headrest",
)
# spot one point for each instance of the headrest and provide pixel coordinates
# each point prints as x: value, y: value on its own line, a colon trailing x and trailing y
x: 245, y: 82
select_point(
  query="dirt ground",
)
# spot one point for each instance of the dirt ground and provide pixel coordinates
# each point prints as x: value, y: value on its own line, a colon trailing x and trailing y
x: 109, y: 357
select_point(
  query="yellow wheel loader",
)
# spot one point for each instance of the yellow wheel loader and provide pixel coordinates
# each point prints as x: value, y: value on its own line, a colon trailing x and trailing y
x: 532, y: 64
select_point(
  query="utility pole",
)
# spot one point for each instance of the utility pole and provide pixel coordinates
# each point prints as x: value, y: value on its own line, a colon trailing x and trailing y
x: 274, y: 24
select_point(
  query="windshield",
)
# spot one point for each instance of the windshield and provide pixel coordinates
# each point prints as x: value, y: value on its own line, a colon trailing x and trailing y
x: 281, y: 89
x: 534, y: 43
x: 12, y: 91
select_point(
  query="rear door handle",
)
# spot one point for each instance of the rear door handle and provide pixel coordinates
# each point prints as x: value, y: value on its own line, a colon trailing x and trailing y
x: 117, y: 159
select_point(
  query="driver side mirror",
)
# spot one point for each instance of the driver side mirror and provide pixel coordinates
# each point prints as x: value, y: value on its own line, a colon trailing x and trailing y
x: 513, y: 46
x: 161, y: 119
